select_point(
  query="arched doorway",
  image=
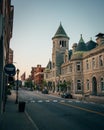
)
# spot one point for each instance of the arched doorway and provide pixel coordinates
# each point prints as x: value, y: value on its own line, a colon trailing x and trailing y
x: 94, y: 86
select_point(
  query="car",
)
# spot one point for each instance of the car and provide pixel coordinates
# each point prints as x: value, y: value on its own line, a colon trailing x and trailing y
x: 45, y: 91
x: 66, y: 95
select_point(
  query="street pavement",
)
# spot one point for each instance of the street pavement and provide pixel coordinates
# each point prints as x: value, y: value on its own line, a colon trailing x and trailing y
x: 12, y: 119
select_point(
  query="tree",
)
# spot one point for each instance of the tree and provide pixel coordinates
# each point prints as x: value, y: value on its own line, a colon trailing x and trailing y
x: 69, y: 85
x: 63, y: 86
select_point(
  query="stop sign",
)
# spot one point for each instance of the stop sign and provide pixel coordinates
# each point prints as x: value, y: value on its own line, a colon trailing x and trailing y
x: 10, y: 69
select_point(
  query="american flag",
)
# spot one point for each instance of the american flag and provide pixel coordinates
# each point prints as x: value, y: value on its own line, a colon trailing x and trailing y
x: 23, y: 76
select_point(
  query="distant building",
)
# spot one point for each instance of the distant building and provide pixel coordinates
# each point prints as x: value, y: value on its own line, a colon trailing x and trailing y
x: 81, y: 68
x: 37, y: 74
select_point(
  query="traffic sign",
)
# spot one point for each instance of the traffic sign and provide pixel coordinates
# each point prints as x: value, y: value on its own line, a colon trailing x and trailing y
x: 10, y: 69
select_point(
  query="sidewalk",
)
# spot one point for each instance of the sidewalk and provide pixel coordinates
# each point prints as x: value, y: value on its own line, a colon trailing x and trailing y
x: 14, y: 120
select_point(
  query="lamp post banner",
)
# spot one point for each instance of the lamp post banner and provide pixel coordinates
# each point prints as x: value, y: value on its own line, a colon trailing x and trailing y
x: 10, y: 69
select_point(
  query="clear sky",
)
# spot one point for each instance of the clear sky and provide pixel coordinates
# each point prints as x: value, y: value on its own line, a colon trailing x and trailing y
x: 36, y: 22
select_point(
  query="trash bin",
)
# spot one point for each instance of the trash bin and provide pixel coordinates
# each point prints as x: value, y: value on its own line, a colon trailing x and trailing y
x: 21, y: 106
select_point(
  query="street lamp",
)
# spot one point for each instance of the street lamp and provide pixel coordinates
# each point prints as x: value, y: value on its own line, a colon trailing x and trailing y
x: 17, y: 86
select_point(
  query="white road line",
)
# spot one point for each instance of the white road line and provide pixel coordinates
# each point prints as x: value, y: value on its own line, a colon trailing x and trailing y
x: 62, y: 101
x: 55, y: 101
x: 85, y: 102
x: 33, y: 123
x: 47, y: 100
x: 92, y: 102
x: 69, y: 101
x: 40, y: 101
x: 33, y: 101
x: 77, y: 101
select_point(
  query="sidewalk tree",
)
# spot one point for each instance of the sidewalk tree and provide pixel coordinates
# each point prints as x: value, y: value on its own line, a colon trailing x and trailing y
x: 63, y: 86
x: 68, y: 85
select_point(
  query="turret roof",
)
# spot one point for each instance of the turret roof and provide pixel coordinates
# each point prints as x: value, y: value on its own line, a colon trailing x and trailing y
x: 60, y: 32
x: 81, y: 45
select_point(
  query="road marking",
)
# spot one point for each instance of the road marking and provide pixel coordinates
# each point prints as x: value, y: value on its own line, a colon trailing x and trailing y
x: 85, y: 102
x: 77, y: 101
x: 62, y: 101
x: 47, y: 100
x: 70, y: 101
x: 33, y: 101
x: 33, y: 123
x: 92, y: 102
x: 55, y: 101
x: 40, y: 101
x: 84, y: 109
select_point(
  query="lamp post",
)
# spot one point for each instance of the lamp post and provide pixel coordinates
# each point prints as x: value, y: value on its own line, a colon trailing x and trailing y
x: 17, y: 87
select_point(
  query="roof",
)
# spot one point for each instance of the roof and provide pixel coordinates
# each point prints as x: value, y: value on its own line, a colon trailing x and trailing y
x: 91, y: 45
x: 100, y: 35
x: 77, y: 55
x: 49, y: 65
x: 60, y: 32
x: 81, y: 45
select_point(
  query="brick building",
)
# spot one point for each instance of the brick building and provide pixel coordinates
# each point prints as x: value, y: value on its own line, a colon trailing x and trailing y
x: 6, y: 25
x: 10, y: 56
x: 37, y: 75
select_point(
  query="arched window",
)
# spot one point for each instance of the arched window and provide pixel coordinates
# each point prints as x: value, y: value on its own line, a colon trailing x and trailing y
x: 88, y: 84
x: 78, y: 85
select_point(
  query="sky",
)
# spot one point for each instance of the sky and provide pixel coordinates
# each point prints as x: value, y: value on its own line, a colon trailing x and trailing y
x: 36, y: 22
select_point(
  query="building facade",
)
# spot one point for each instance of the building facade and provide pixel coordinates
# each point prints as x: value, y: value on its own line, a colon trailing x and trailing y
x: 10, y: 61
x: 81, y: 68
x: 6, y: 25
x: 37, y: 75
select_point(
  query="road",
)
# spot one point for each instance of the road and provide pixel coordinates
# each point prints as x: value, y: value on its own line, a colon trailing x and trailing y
x: 50, y: 112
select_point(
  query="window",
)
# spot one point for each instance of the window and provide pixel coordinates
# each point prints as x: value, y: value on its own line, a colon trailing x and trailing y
x: 93, y: 63
x: 70, y: 68
x: 101, y: 60
x: 87, y: 65
x: 102, y: 84
x: 53, y: 65
x: 62, y: 43
x: 78, y: 85
x: 88, y: 84
x: 78, y: 66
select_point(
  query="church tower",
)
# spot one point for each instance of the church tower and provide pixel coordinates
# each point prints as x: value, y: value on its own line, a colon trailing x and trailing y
x: 60, y: 44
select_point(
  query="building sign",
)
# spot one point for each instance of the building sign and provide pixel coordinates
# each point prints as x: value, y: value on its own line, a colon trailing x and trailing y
x: 10, y: 69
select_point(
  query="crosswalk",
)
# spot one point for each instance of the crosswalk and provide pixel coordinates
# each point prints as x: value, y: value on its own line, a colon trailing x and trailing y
x: 31, y: 100
x: 56, y: 101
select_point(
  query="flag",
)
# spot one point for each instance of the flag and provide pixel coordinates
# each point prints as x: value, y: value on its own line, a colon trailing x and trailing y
x: 23, y: 76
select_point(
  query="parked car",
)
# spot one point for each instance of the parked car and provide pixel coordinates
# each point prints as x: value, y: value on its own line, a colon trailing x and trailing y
x: 66, y: 95
x: 45, y: 91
